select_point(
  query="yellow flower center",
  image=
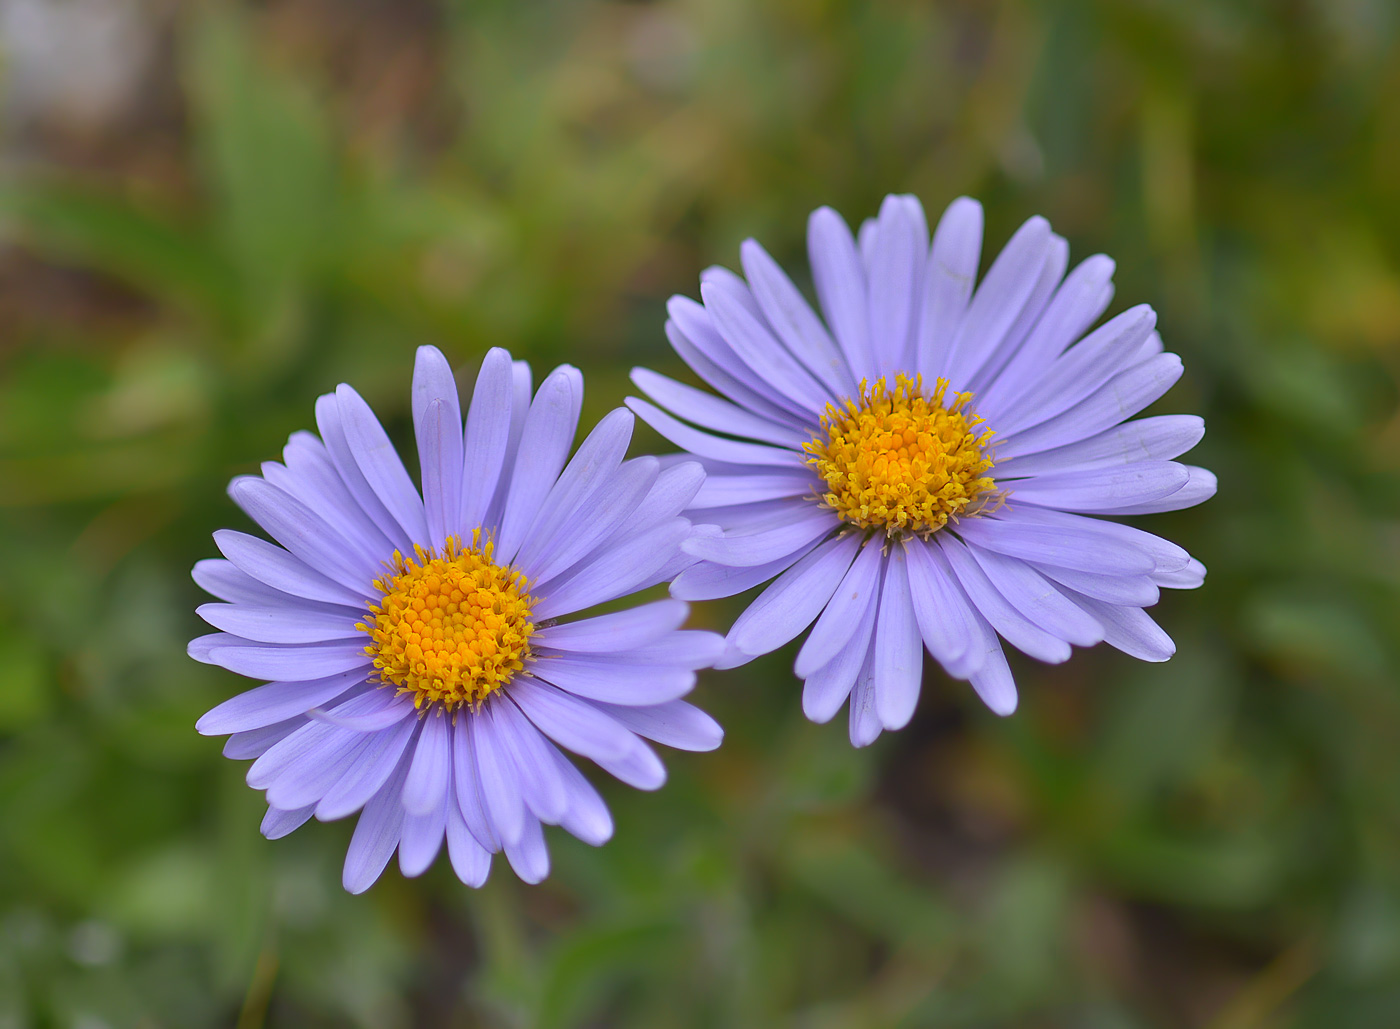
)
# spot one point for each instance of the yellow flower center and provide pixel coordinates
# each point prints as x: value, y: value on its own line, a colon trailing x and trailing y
x: 450, y: 629
x: 900, y: 461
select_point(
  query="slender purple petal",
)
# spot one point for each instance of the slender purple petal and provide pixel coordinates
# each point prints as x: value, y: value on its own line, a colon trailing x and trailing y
x: 272, y: 566
x: 759, y: 548
x: 674, y: 724
x: 277, y: 823
x: 588, y: 817
x: 708, y: 581
x: 421, y: 837
x: 1129, y: 629
x: 380, y: 465
x: 1200, y: 487
x: 1151, y: 347
x: 1133, y: 590
x: 865, y: 725
x: 674, y: 488
x: 686, y: 648
x: 999, y: 299
x: 596, y: 678
x: 1190, y: 577
x: 593, y: 521
x: 1104, y: 489
x: 994, y: 684
x: 290, y: 663
x: 520, y: 386
x: 1115, y: 401
x: 1037, y: 599
x: 486, y: 441
x: 305, y: 779
x: 572, y: 723
x: 1080, y: 370
x: 840, y: 279
x: 311, y: 477
x: 329, y: 421
x: 304, y: 533
x: 426, y: 784
x: 500, y: 788
x: 899, y: 654
x: 546, y: 438
x: 1057, y: 258
x: 795, y: 598
x: 376, y: 835
x: 437, y: 425
x: 693, y: 336
x: 857, y: 590
x: 899, y: 252
x: 592, y: 466
x: 947, y: 620
x: 794, y: 321
x: 1077, y: 304
x: 256, y: 742
x: 311, y: 738
x: 1167, y: 556
x: 228, y: 582
x: 1018, y: 630
x: 865, y: 242
x: 620, y: 630
x: 1160, y: 438
x: 470, y: 860
x: 466, y: 782
x: 1084, y: 547
x: 951, y: 274
x: 749, y: 337
x: 709, y: 411
x: 639, y: 768
x: 541, y: 787
x: 280, y: 625
x: 273, y: 702
x: 378, y: 708
x: 527, y: 854
x: 702, y: 444
x: 731, y: 490
x: 615, y: 572
x: 827, y: 688
x: 372, y: 770
x: 747, y: 519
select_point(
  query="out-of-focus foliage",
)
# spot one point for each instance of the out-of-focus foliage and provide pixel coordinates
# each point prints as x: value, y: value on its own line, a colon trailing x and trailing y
x: 295, y: 193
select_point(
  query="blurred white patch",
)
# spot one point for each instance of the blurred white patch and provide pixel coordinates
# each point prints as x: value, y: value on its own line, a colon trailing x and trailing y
x: 1021, y: 157
x: 1362, y: 28
x: 77, y: 62
x: 94, y: 944
x: 662, y: 49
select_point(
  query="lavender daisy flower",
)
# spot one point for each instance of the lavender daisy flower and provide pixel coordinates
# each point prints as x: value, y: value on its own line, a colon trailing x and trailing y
x: 421, y: 662
x: 920, y: 467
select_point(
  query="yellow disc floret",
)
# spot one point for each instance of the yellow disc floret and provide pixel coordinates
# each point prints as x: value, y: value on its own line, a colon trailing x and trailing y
x: 450, y: 628
x: 901, y: 461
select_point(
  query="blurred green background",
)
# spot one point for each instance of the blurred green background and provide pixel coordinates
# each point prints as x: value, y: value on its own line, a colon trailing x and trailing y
x: 210, y: 213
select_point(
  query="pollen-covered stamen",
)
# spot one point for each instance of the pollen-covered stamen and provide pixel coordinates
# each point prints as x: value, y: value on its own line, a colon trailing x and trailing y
x: 900, y: 461
x: 450, y: 628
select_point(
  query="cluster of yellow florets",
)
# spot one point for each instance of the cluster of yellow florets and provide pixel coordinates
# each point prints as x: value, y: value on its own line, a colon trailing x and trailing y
x: 897, y: 460
x: 450, y: 629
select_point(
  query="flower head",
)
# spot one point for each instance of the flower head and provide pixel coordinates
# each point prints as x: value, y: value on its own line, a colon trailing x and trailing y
x: 423, y: 666
x: 900, y: 460
x: 925, y: 464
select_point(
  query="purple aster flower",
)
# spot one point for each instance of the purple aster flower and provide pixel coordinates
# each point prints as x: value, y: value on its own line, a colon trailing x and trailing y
x: 923, y: 465
x: 421, y: 662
